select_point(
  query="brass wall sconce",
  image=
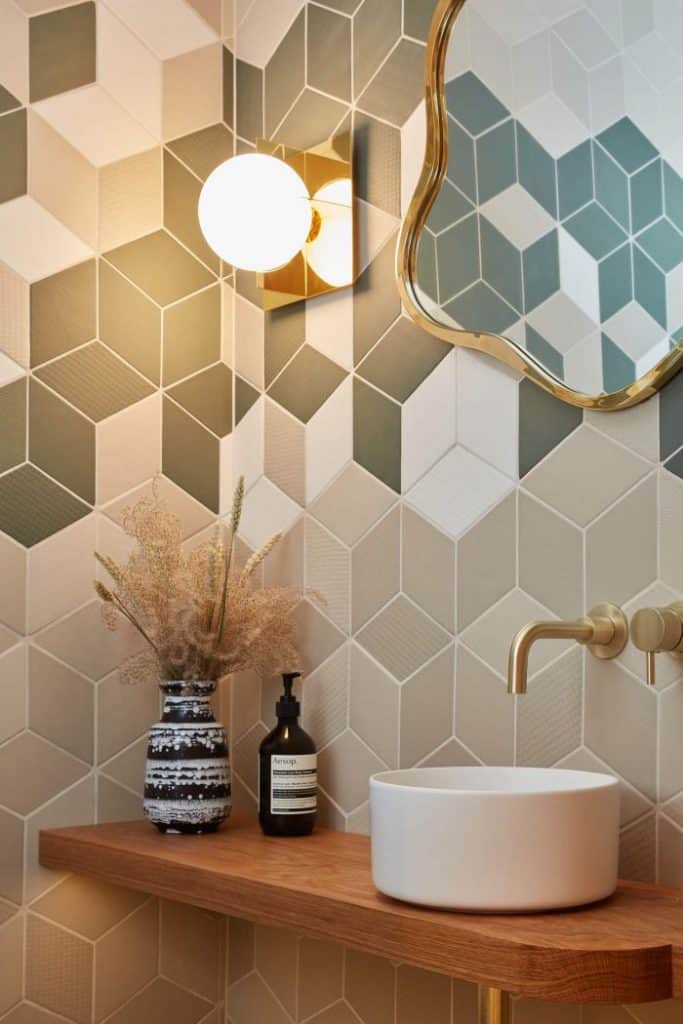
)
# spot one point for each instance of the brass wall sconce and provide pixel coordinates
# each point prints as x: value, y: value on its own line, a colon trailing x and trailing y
x: 287, y: 214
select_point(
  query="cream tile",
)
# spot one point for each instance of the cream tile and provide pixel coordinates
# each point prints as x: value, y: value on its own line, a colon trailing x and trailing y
x: 328, y: 565
x: 251, y: 1000
x: 74, y: 807
x: 94, y: 123
x: 192, y: 91
x: 284, y: 452
x: 487, y: 410
x: 136, y: 431
x: 126, y: 959
x: 329, y: 326
x: 549, y: 716
x: 87, y: 907
x: 318, y: 638
x: 325, y: 697
x: 374, y: 706
x: 61, y: 179
x: 248, y: 445
x: 263, y: 28
x: 266, y: 510
x: 352, y: 504
x: 669, y: 872
x: 245, y: 703
x: 211, y: 12
x: 58, y: 970
x: 114, y: 803
x: 128, y: 767
x: 61, y: 705
x: 192, y: 514
x: 376, y: 569
x: 633, y: 804
x: 84, y: 641
x: 60, y: 573
x: 484, y: 712
x: 344, y: 769
x: 246, y: 757
x: 621, y: 547
x: 670, y: 753
x: 14, y: 49
x: 329, y: 439
x: 428, y: 568
x: 167, y: 27
x: 450, y: 754
x: 128, y: 70
x: 11, y: 856
x: 14, y: 325
x: 402, y: 638
x: 33, y: 771
x: 124, y: 712
x: 193, y: 948
x: 319, y: 975
x: 424, y: 437
x: 638, y: 851
x: 369, y: 986
x: 605, y: 469
x: 284, y: 566
x: 276, y: 957
x: 13, y: 590
x: 422, y: 993
x: 636, y: 428
x: 11, y: 963
x: 550, y: 558
x: 33, y: 243
x: 9, y: 370
x: 249, y: 341
x: 129, y: 198
x: 374, y: 228
x: 426, y: 714
x: 487, y: 561
x: 670, y: 512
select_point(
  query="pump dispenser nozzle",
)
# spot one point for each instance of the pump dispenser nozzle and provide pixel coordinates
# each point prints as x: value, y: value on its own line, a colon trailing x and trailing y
x: 288, y: 706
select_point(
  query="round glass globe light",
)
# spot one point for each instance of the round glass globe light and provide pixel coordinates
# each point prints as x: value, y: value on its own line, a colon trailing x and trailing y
x: 254, y: 212
x: 330, y: 253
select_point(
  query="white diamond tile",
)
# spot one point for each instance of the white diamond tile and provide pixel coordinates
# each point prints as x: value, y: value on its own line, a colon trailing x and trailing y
x: 579, y: 275
x: 636, y: 333
x: 34, y: 243
x: 128, y: 70
x: 570, y: 80
x: 487, y: 410
x: 329, y: 439
x: 425, y: 438
x: 586, y: 38
x: 518, y: 216
x: 374, y: 228
x: 657, y: 60
x: 561, y: 322
x: 553, y: 125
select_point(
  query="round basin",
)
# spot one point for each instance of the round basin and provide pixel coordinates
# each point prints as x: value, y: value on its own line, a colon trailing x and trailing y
x: 495, y: 839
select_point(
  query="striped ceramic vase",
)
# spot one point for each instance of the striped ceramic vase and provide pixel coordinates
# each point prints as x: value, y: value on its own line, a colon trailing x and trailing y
x: 187, y: 780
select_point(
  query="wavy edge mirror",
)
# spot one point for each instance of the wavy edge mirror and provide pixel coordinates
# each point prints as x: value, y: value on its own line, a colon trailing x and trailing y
x: 427, y: 189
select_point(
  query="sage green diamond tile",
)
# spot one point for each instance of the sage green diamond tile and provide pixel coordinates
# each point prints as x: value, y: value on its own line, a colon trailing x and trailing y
x: 63, y: 312
x: 377, y: 434
x: 204, y: 150
x: 13, y: 149
x: 190, y: 455
x: 285, y: 74
x: 473, y: 104
x: 402, y: 359
x: 312, y: 118
x: 376, y: 301
x: 13, y: 420
x: 130, y: 323
x: 160, y: 267
x: 248, y: 101
x: 627, y: 144
x: 61, y: 50
x: 228, y: 87
x: 245, y: 396
x: 329, y: 52
x: 181, y: 197
x: 398, y: 86
x: 285, y: 333
x: 544, y: 421
x: 377, y: 162
x: 7, y: 100
x: 95, y: 380
x: 376, y: 28
x: 306, y: 383
x: 208, y: 397
x: 33, y: 507
x: 61, y: 441
x: 192, y: 334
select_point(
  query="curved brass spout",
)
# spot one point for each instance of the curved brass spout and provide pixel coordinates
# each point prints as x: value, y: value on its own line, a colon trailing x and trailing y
x: 604, y: 631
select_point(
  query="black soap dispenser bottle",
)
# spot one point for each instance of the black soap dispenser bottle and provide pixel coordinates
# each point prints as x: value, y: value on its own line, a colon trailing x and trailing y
x: 287, y: 771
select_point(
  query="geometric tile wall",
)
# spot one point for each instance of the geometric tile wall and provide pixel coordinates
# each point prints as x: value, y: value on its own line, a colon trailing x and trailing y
x: 423, y: 489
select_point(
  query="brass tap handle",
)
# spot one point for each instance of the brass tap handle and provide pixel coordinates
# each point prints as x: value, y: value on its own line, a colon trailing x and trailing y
x: 658, y: 629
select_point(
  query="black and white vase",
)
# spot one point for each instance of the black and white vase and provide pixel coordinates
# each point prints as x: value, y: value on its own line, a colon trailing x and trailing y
x: 187, y: 779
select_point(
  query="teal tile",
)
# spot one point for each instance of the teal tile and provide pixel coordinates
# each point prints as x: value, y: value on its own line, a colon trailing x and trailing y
x: 496, y: 161
x: 461, y: 168
x: 647, y: 200
x: 673, y: 196
x: 649, y: 286
x: 671, y: 417
x: 544, y: 421
x: 611, y: 187
x: 595, y: 231
x: 663, y: 244
x: 377, y: 434
x: 618, y: 370
x: 402, y: 360
x: 306, y: 383
x: 480, y: 309
x: 450, y: 207
x: 627, y: 144
x: 33, y: 507
x: 245, y: 397
x: 457, y: 252
x: 536, y: 170
x: 426, y: 266
x: 575, y: 179
x: 541, y: 271
x: 13, y: 419
x: 546, y: 355
x: 501, y: 264
x: 615, y: 277
x: 471, y: 103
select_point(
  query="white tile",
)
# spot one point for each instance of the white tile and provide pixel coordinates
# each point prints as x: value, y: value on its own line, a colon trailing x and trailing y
x: 607, y: 95
x: 531, y: 69
x: 609, y: 14
x: 14, y: 50
x: 657, y: 60
x: 491, y: 59
x: 9, y: 370
x: 458, y: 58
x: 413, y: 138
x: 553, y: 125
x: 33, y: 243
x: 60, y: 573
x: 373, y: 227
x: 586, y: 38
x: 635, y: 332
x: 329, y: 326
x: 247, y: 452
x: 674, y: 298
x: 570, y: 80
x: 514, y: 22
x: 329, y: 440
x: 640, y: 97
x: 518, y: 216
x: 458, y: 491
x: 487, y: 410
x: 266, y: 510
x: 638, y: 19
x: 583, y: 365
x: 426, y: 437
x: 665, y: 131
x: 263, y: 27
x: 561, y: 322
x: 167, y: 27
x: 579, y: 276
x: 128, y: 70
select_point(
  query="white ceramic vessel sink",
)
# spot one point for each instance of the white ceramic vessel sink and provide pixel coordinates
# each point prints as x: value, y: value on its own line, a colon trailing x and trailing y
x: 495, y: 839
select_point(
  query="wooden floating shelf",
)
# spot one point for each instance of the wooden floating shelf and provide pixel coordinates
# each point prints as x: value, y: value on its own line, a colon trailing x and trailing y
x: 628, y: 949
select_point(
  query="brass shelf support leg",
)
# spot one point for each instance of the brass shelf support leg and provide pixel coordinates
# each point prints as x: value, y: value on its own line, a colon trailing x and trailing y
x: 494, y: 1006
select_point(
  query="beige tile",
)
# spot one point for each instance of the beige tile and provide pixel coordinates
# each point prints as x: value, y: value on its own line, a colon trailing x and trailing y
x: 126, y: 959
x: 193, y: 516
x: 402, y: 638
x: 192, y: 948
x: 241, y: 947
x: 124, y: 712
x: 376, y: 569
x: 74, y: 807
x: 14, y: 325
x: 13, y: 688
x: 14, y: 49
x: 422, y: 993
x: 670, y: 512
x: 670, y: 752
x: 11, y: 963
x: 167, y: 27
x: 129, y: 198
x: 537, y: 1011
x: 136, y: 431
x: 13, y: 591
x: 621, y: 548
x: 32, y: 771
x: 29, y: 1013
x: 11, y: 856
x: 128, y: 767
x: 276, y: 957
x: 605, y: 1015
x: 550, y: 558
x: 633, y: 804
x: 130, y: 323
x: 245, y: 703
x: 605, y: 469
x: 326, y: 699
x: 249, y: 341
x: 428, y: 567
x: 33, y: 243
x: 211, y: 12
x: 284, y: 455
x: 251, y: 1000
x: 352, y: 504
x: 667, y: 1012
x: 549, y: 716
x: 484, y: 712
x: 339, y: 1013
x: 128, y: 70
x: 486, y: 561
x: 369, y: 986
x: 245, y: 756
x: 61, y: 179
x: 160, y: 1002
x: 328, y: 568
x: 451, y: 754
x: 192, y: 91
x: 7, y: 639
x: 636, y: 428
x: 60, y: 573
x: 61, y: 705
x: 114, y: 803
x: 181, y: 197
x: 58, y: 970
x: 87, y: 907
x: 374, y: 706
x: 638, y: 851
x: 344, y: 769
x: 669, y: 669
x: 192, y: 335
x: 320, y: 975
x: 83, y: 641
x: 63, y: 312
x: 284, y: 566
x: 426, y: 714
x: 317, y: 637
x: 670, y: 856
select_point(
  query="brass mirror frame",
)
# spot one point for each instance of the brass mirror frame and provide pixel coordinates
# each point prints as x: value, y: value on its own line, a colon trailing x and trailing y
x: 426, y: 192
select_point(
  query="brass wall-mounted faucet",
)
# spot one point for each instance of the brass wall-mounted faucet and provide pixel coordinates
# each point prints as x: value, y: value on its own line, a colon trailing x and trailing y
x: 604, y: 630
x: 658, y: 629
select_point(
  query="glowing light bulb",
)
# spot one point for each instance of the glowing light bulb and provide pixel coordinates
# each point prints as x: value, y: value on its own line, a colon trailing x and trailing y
x: 330, y: 252
x: 254, y: 211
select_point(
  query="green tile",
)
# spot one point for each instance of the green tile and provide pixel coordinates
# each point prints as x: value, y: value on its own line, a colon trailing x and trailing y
x: 671, y: 417
x: 376, y: 28
x: 417, y: 18
x: 130, y: 323
x: 595, y: 231
x: 615, y: 276
x: 61, y: 50
x: 312, y: 119
x: 160, y: 267
x: 473, y: 104
x: 96, y: 381
x: 190, y: 455
x: 285, y: 74
x: 649, y: 286
x: 675, y: 465
x: 663, y: 244
x: 377, y: 163
x: 377, y: 434
x: 376, y: 301
x: 547, y: 356
x: 647, y: 200
x: 228, y: 87
x: 245, y: 397
x: 329, y: 52
x: 544, y: 421
x: 204, y: 150
x: 618, y: 370
x: 627, y: 144
x: 306, y: 383
x: 208, y: 397
x: 537, y: 170
x: 480, y: 309
x: 284, y: 334
x: 13, y: 149
x: 192, y: 335
x: 13, y: 419
x: 426, y: 278
x: 575, y: 179
x: 181, y: 197
x: 458, y: 257
x: 496, y: 161
x: 249, y: 101
x: 501, y: 264
x: 449, y: 208
x: 398, y: 86
x: 61, y: 441
x: 33, y: 507
x: 673, y: 196
x: 461, y: 168
x: 7, y: 100
x: 63, y: 312
x: 404, y: 357
x: 541, y: 270
x: 611, y: 187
